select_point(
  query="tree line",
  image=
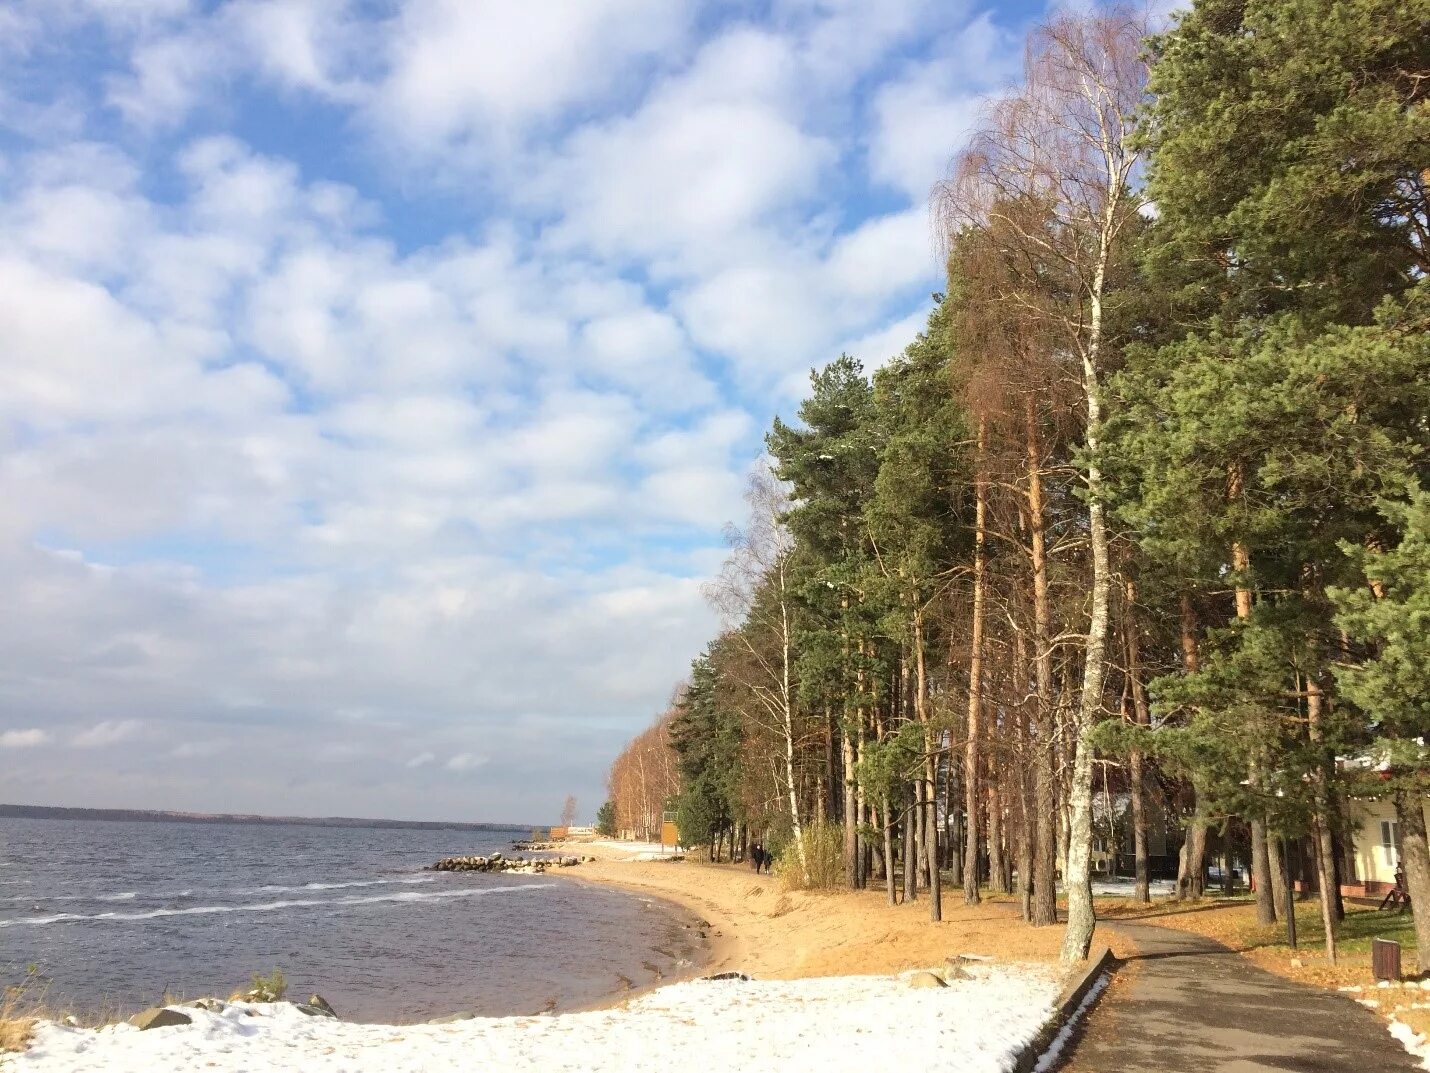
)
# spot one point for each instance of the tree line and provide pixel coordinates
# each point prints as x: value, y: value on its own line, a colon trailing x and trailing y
x: 1143, y: 506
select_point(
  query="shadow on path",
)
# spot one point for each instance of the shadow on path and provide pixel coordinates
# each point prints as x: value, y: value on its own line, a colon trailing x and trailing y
x: 1187, y: 1004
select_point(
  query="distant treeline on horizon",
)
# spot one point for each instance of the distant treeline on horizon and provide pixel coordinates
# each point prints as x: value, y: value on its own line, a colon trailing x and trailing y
x: 48, y: 812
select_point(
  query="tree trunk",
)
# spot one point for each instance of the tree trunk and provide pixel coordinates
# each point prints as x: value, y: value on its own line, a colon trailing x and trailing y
x: 1278, y: 872
x: 1261, y: 873
x: 931, y: 838
x: 972, y: 781
x: 1260, y: 869
x: 930, y: 788
x: 889, y: 852
x: 1045, y: 839
x: 953, y: 833
x: 1415, y: 857
x: 1082, y: 920
x: 1197, y: 830
x: 1321, y: 822
x: 1197, y: 855
x: 911, y: 871
x: 851, y: 815
x: 997, y: 848
x: 787, y: 699
x: 1142, y: 889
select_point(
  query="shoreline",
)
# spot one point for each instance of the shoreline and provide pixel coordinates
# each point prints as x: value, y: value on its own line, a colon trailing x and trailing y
x: 761, y: 929
x: 816, y: 963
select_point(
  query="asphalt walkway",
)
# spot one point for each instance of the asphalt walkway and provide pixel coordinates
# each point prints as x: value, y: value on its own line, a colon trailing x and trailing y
x: 1187, y: 1004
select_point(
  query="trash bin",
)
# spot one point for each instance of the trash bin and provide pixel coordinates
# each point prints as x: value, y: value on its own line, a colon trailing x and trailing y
x: 1385, y: 959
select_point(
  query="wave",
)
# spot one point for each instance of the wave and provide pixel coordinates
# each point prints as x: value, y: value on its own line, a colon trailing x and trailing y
x: 122, y: 896
x: 267, y: 907
x: 275, y: 889
x: 130, y: 895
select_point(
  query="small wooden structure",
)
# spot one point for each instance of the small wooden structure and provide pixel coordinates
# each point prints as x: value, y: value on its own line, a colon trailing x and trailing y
x: 1385, y: 959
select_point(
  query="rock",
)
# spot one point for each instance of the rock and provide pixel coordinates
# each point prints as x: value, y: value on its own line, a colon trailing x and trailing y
x: 213, y: 1005
x: 316, y: 1006
x: 1296, y: 963
x: 159, y: 1017
x: 726, y: 976
x: 954, y: 970
x: 921, y: 980
x: 452, y: 1018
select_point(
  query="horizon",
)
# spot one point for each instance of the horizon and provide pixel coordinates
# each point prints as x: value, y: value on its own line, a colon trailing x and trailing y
x: 179, y: 816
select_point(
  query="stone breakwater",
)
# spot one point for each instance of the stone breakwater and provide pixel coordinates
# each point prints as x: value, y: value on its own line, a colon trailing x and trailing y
x: 498, y: 862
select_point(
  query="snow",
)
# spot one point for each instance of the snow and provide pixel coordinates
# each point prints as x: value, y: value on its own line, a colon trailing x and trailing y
x: 1049, y: 1058
x: 637, y: 851
x: 826, y: 1025
x: 1414, y: 1043
x: 1121, y: 887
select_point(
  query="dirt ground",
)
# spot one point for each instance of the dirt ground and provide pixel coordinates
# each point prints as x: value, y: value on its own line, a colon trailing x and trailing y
x: 759, y: 928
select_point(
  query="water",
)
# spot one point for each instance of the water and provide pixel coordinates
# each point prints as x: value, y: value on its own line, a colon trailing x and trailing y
x: 116, y: 914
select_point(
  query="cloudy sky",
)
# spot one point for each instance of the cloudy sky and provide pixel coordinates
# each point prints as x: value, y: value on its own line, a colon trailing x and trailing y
x: 376, y: 377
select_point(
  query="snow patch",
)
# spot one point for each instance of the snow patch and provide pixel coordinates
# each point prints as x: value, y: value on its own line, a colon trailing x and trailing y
x: 826, y: 1025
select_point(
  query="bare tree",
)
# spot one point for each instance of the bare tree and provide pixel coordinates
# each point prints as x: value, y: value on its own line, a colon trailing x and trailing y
x: 1063, y: 143
x: 568, y: 811
x: 753, y: 594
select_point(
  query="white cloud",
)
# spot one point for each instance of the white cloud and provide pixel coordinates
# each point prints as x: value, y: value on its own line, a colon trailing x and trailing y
x: 108, y: 732
x: 460, y: 69
x: 465, y: 762
x: 23, y: 739
x: 923, y: 116
x: 352, y: 441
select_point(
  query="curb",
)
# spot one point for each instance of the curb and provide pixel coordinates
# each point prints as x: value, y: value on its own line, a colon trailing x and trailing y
x: 1066, y: 1010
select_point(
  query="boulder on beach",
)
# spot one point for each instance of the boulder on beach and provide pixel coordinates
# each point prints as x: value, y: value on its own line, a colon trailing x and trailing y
x: 920, y: 980
x: 317, y: 1006
x: 159, y: 1017
x: 727, y: 976
x: 452, y: 1018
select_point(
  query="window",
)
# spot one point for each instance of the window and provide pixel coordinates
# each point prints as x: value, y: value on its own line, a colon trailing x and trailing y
x: 1390, y: 841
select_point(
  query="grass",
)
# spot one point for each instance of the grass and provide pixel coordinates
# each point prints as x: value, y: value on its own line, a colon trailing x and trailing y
x: 22, y: 1005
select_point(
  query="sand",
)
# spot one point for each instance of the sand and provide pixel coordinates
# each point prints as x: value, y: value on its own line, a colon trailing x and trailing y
x: 759, y: 928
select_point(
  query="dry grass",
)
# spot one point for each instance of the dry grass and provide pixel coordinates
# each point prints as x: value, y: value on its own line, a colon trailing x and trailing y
x: 21, y: 1007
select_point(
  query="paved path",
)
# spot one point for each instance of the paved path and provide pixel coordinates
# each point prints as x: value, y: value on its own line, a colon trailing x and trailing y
x: 1187, y: 1004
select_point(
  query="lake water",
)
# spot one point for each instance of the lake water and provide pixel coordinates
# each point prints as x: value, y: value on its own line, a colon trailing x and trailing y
x: 116, y: 914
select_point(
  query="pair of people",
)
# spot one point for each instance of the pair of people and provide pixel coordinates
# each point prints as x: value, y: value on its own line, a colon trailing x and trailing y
x: 760, y: 858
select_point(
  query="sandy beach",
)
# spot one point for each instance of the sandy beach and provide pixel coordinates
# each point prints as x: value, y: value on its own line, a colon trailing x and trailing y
x: 759, y: 928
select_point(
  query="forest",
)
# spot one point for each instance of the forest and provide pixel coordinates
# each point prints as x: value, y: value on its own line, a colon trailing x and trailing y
x: 1136, y: 532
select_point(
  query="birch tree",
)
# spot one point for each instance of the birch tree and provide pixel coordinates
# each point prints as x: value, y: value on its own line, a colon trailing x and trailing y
x: 1064, y: 142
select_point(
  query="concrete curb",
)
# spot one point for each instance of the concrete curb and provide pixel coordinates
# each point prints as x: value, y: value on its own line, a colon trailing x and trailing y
x: 1066, y: 1007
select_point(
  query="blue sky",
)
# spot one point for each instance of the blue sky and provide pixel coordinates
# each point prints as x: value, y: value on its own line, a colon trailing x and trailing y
x: 376, y: 378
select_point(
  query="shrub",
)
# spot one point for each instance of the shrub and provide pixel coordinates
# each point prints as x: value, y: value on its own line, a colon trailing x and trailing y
x: 270, y: 988
x: 606, y: 820
x: 824, y: 852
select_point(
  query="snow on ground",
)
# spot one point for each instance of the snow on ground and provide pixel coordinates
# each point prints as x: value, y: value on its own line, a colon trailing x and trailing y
x: 635, y: 851
x: 1120, y: 887
x: 826, y: 1025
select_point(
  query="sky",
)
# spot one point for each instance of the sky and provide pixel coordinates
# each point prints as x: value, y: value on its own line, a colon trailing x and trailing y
x: 377, y: 378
